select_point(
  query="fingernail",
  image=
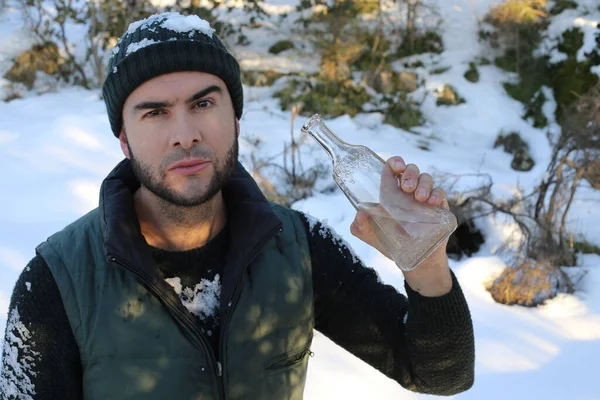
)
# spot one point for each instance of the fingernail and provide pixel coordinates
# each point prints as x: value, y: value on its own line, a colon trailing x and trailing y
x: 399, y: 164
x: 434, y: 198
x: 421, y: 192
x: 409, y: 183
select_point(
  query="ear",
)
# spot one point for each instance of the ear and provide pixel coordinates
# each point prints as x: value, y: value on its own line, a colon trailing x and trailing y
x: 123, y: 143
x: 237, y: 127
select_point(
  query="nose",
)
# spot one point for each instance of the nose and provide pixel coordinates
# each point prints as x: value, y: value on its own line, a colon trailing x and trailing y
x: 184, y: 132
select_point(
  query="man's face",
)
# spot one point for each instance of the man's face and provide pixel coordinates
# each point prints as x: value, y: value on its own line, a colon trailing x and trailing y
x: 183, y: 117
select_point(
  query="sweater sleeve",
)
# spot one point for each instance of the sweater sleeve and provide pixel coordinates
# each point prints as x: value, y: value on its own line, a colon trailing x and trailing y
x: 40, y: 355
x: 426, y: 344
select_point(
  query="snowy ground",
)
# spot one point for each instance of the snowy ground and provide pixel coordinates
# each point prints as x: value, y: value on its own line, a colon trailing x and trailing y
x: 55, y: 149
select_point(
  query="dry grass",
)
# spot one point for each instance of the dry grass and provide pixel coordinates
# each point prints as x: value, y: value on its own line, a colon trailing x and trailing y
x: 529, y: 284
x: 40, y: 57
x: 518, y: 12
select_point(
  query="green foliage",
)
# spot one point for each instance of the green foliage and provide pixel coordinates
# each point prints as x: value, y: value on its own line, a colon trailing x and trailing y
x: 586, y: 247
x: 280, y: 46
x: 260, y: 78
x: 562, y: 5
x: 534, y: 110
x: 330, y: 99
x: 115, y: 16
x: 403, y: 113
x: 419, y: 43
x: 472, y: 74
x: 532, y: 76
x: 571, y: 79
x: 519, y: 25
x: 507, y: 62
x: 440, y: 70
x: 572, y: 40
x: 377, y: 54
x: 449, y: 97
x: 568, y: 79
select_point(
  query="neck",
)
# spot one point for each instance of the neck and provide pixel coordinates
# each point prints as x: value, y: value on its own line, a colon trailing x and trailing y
x: 175, y: 228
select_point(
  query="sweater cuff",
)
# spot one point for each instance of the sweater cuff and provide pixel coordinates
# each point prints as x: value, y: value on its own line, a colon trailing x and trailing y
x: 438, y: 312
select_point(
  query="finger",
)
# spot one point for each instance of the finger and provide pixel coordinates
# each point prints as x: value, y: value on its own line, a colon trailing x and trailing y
x: 424, y: 187
x: 397, y: 164
x: 437, y: 197
x: 410, y: 178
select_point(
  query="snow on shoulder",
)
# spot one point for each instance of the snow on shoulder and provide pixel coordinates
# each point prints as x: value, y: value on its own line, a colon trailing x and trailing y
x: 19, y: 360
x: 328, y: 232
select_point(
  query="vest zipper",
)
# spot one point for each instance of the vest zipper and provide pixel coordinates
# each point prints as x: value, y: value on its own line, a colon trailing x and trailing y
x: 184, y: 319
x: 236, y: 295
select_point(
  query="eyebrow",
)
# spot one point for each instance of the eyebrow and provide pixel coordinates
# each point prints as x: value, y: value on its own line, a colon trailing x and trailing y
x: 145, y: 105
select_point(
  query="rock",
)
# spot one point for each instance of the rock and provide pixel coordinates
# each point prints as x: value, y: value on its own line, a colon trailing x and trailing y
x: 407, y: 81
x: 449, y: 97
x: 522, y: 161
x: 513, y: 144
x: 381, y: 81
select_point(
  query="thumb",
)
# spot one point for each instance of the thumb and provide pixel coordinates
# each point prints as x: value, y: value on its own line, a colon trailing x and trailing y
x: 362, y: 229
x: 360, y: 226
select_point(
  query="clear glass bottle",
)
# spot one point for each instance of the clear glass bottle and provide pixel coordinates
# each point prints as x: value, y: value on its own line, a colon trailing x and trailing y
x: 408, y: 230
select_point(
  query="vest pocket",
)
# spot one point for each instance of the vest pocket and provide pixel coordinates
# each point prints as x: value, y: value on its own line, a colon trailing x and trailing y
x: 289, y: 361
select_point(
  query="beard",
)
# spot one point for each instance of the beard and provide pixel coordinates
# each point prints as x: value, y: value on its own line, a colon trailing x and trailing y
x: 223, y: 169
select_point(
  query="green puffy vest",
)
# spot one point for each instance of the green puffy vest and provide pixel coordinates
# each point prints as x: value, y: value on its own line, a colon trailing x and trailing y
x: 136, y: 339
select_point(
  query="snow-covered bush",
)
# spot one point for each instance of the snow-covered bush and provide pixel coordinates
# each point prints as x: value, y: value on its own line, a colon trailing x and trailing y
x: 358, y: 42
x: 545, y: 47
x: 71, y: 39
x: 72, y: 36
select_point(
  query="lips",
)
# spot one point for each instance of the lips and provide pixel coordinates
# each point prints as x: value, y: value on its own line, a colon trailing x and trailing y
x: 187, y: 163
x: 187, y: 167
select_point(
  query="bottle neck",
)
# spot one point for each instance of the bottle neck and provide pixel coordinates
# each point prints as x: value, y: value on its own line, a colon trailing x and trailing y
x: 333, y: 145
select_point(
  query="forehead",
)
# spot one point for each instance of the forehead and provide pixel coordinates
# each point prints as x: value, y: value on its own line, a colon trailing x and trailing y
x: 173, y: 86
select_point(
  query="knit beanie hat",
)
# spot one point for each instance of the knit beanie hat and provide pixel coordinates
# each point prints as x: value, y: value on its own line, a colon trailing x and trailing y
x: 161, y: 44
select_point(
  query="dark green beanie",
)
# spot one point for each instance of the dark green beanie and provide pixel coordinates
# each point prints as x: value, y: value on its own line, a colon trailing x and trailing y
x: 161, y: 44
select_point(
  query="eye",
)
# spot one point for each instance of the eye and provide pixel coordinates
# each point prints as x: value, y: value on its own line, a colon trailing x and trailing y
x: 153, y: 113
x: 203, y: 104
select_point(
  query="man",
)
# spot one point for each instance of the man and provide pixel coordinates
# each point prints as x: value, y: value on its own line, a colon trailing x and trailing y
x: 187, y: 283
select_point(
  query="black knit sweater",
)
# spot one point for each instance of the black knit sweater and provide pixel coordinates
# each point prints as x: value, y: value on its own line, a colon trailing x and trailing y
x: 426, y: 344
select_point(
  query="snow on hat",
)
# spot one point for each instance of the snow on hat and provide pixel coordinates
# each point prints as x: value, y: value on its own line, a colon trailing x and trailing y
x: 161, y: 44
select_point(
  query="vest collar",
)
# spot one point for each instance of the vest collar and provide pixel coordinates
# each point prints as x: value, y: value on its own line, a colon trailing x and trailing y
x: 251, y: 221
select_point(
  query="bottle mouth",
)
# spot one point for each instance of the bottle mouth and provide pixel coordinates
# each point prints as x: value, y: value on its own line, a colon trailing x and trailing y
x: 314, y: 120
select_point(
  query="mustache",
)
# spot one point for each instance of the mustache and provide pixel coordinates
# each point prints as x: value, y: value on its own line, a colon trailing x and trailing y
x: 182, y: 154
